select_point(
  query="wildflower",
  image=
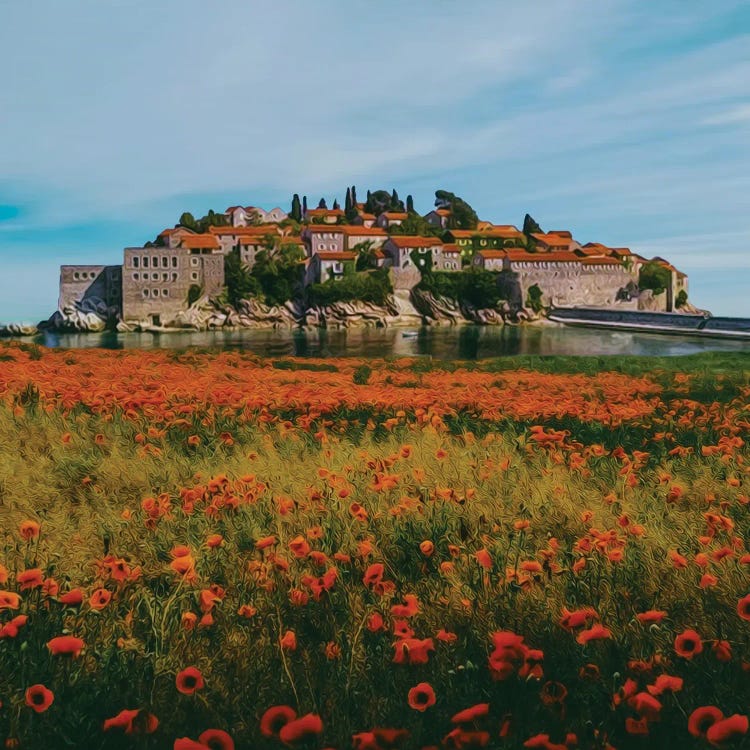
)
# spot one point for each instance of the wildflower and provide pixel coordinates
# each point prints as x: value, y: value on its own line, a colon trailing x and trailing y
x: 274, y: 719
x: 189, y: 681
x: 216, y: 739
x: 39, y: 698
x: 100, y: 599
x: 65, y: 645
x: 421, y: 697
x: 288, y: 641
x: 29, y: 530
x: 484, y: 559
x: 743, y: 607
x: 412, y: 650
x: 375, y: 622
x: 374, y: 574
x: 30, y: 579
x: 665, y: 683
x: 702, y: 719
x: 300, y: 729
x: 594, y: 633
x: 722, y: 650
x: 650, y: 617
x: 9, y: 600
x: 214, y: 541
x: 687, y: 644
x: 471, y: 714
x: 727, y: 730
x: 426, y: 548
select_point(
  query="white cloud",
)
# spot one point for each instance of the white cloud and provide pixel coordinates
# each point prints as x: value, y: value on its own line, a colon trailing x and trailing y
x: 734, y: 116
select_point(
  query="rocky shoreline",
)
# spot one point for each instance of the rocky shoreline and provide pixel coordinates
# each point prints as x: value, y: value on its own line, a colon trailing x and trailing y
x: 403, y: 309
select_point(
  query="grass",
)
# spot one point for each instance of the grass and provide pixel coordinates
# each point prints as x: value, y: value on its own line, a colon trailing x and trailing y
x: 500, y: 494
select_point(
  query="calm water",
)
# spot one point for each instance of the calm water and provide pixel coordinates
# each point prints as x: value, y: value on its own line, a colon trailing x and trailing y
x: 466, y: 342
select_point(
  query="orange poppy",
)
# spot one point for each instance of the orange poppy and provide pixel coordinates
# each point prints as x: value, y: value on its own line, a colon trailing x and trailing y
x: 189, y: 681
x: 39, y: 698
x: 29, y: 530
x: 426, y: 548
x: 288, y: 641
x: 9, y: 600
x: 100, y: 599
x: 30, y: 579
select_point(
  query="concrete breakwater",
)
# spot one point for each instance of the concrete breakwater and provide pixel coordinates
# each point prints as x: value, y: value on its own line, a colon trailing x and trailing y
x: 653, y: 322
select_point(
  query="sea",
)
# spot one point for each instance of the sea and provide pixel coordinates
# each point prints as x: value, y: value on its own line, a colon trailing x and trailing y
x: 450, y: 343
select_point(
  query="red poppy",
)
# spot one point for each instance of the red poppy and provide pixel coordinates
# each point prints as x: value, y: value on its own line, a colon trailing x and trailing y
x: 727, y: 730
x: 471, y: 714
x: 421, y: 697
x: 217, y: 739
x: 274, y: 719
x: 595, y: 633
x: 426, y: 547
x: 288, y: 641
x: 665, y: 683
x: 133, y: 721
x: 460, y: 739
x: 413, y: 650
x: 374, y: 574
x: 722, y: 650
x: 636, y: 727
x: 72, y: 598
x: 189, y: 680
x: 646, y: 706
x: 652, y: 616
x: 553, y: 692
x: 30, y: 579
x: 375, y: 622
x: 687, y: 644
x: 185, y: 743
x: 484, y: 558
x: 39, y: 698
x: 65, y: 645
x: 702, y: 719
x: 300, y: 729
x: 743, y: 607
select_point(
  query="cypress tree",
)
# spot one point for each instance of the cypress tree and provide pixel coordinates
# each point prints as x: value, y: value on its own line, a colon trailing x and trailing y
x: 409, y: 204
x: 354, y: 196
x: 530, y: 226
x: 336, y: 205
x: 304, y: 204
x: 322, y: 203
x: 395, y: 202
x: 348, y: 201
x: 296, y: 212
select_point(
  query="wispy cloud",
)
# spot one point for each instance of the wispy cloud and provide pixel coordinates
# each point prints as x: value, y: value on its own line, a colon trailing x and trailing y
x: 734, y: 116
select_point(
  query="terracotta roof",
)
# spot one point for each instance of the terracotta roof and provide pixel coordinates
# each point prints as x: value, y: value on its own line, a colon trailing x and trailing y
x: 324, y: 212
x: 554, y: 240
x: 353, y: 230
x: 402, y: 241
x: 333, y: 255
x: 507, y: 232
x: 200, y: 242
x: 168, y: 232
x: 395, y: 215
x: 621, y: 251
x: 443, y: 211
x: 451, y: 247
x: 493, y: 254
x: 561, y: 233
x: 316, y: 228
x: 359, y: 204
x: 257, y: 229
x: 596, y: 250
x: 366, y: 216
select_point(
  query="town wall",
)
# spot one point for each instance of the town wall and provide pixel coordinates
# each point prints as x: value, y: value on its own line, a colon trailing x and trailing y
x: 82, y: 282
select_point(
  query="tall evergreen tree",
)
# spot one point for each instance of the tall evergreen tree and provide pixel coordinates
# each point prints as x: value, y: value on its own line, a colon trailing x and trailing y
x: 354, y: 196
x: 336, y: 206
x: 296, y: 212
x: 395, y: 202
x: 304, y: 205
x: 368, y: 203
x: 322, y: 203
x: 530, y: 226
x: 409, y: 204
x: 348, y: 201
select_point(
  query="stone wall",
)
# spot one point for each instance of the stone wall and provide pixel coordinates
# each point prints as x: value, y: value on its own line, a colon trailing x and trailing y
x: 566, y: 284
x: 78, y: 283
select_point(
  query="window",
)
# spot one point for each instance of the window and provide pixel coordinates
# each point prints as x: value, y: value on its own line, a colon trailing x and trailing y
x: 155, y: 276
x: 155, y: 292
x: 332, y: 246
x: 164, y: 261
x: 76, y: 275
x: 174, y: 261
x: 135, y: 277
x: 338, y: 267
x: 136, y: 261
x: 145, y: 292
x: 174, y: 277
x: 321, y: 246
x: 165, y: 277
x: 145, y: 261
x: 165, y: 292
x: 194, y: 276
x: 194, y: 261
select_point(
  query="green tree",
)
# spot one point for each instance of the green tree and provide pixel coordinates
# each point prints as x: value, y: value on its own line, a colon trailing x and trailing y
x: 366, y: 257
x: 681, y: 300
x: 414, y: 224
x: 380, y: 201
x: 409, y: 204
x: 336, y: 206
x: 348, y: 201
x: 304, y: 205
x: 279, y: 272
x: 322, y: 203
x: 239, y: 282
x: 530, y: 226
x: 534, y: 298
x: 654, y: 276
x: 187, y: 220
x: 396, y: 204
x: 463, y: 216
x: 296, y: 212
x: 371, y: 286
x: 195, y: 292
x: 354, y: 196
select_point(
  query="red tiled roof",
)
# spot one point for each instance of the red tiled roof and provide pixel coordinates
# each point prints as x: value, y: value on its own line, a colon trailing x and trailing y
x: 600, y: 261
x: 402, y: 241
x: 168, y: 232
x: 324, y: 212
x: 505, y: 232
x: 522, y: 256
x: 395, y: 215
x: 200, y: 242
x: 316, y: 228
x: 561, y: 233
x: 451, y: 248
x: 366, y: 216
x: 553, y: 240
x: 493, y: 254
x: 352, y: 230
x: 333, y: 255
x: 240, y: 231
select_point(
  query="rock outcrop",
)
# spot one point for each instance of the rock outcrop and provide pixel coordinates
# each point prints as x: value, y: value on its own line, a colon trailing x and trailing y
x: 13, y: 330
x: 90, y: 315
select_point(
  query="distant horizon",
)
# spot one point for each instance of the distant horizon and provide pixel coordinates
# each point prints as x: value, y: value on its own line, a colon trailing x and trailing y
x: 625, y: 123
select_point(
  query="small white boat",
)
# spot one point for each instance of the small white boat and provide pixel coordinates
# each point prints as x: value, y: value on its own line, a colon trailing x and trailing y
x: 409, y: 334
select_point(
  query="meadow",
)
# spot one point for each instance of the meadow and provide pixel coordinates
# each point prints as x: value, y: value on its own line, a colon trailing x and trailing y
x: 205, y: 549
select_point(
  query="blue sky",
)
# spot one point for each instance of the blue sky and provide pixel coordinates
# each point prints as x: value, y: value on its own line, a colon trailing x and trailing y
x: 625, y: 121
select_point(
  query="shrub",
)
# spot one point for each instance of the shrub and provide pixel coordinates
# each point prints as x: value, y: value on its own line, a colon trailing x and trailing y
x: 682, y: 299
x: 473, y: 285
x: 655, y: 277
x: 362, y: 375
x: 534, y: 298
x: 369, y: 286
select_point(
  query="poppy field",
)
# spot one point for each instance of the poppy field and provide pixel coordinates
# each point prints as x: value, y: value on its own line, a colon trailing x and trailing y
x: 212, y: 550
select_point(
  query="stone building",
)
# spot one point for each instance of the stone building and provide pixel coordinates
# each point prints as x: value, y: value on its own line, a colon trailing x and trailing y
x: 402, y: 251
x: 390, y: 219
x: 324, y: 215
x: 95, y: 283
x: 329, y: 265
x: 156, y: 281
x: 242, y: 216
x: 438, y: 217
x: 356, y: 235
x: 451, y: 258
x: 323, y: 238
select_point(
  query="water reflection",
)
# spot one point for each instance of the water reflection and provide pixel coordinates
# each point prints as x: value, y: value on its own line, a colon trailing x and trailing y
x: 462, y: 342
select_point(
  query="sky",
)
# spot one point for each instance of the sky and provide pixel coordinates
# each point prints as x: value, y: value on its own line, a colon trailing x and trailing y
x: 624, y: 121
